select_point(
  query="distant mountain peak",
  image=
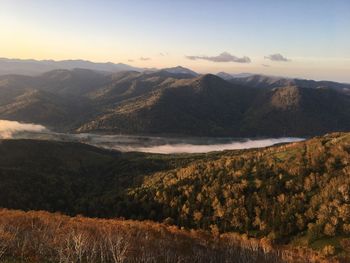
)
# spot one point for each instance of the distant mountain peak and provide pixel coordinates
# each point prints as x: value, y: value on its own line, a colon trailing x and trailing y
x: 213, y: 77
x: 224, y: 75
x: 181, y: 70
x: 209, y: 76
x: 212, y: 80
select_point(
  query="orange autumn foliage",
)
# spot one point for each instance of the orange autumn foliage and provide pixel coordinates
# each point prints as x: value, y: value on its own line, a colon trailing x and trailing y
x: 42, y: 236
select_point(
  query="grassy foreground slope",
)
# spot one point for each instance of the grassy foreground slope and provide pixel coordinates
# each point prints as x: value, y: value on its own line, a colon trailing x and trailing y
x: 44, y: 237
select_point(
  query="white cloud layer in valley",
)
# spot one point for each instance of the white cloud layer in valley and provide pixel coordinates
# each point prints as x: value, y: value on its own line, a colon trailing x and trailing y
x: 191, y: 148
x: 128, y: 143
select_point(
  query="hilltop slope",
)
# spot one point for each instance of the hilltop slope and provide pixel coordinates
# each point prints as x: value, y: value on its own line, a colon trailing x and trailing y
x: 59, y: 238
x: 278, y: 191
x: 206, y: 105
x: 211, y: 106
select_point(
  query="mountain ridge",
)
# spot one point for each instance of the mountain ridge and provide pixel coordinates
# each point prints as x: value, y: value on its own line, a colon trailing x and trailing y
x: 34, y: 67
x: 162, y: 102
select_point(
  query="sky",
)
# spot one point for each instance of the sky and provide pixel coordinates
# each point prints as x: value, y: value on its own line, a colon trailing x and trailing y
x: 299, y: 38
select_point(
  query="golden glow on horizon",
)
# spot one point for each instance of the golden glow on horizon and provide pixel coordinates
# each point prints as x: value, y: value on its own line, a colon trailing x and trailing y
x: 120, y: 32
x: 31, y: 43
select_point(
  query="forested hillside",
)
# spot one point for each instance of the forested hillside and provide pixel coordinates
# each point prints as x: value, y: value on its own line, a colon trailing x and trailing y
x: 294, y: 193
x: 277, y: 192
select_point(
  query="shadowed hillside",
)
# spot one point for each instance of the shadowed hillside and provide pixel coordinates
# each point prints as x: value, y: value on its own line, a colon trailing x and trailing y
x: 172, y: 101
x: 210, y: 106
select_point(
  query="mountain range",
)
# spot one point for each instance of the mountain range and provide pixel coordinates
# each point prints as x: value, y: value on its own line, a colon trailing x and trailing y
x: 262, y: 81
x: 33, y: 67
x: 175, y: 101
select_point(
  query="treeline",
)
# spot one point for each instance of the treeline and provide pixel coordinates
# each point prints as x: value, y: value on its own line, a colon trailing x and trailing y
x: 45, y: 237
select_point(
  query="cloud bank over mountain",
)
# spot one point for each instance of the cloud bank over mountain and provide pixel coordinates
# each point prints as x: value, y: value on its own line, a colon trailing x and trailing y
x: 223, y: 57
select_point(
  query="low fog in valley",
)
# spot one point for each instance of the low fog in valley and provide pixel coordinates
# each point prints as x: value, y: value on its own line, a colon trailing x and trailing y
x: 131, y: 143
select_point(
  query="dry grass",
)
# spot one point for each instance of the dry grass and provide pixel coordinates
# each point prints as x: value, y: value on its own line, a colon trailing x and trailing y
x: 47, y: 237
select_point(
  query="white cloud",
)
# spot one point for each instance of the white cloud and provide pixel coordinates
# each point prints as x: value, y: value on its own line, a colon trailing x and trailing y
x: 10, y: 128
x: 277, y: 57
x: 223, y: 57
x: 144, y: 59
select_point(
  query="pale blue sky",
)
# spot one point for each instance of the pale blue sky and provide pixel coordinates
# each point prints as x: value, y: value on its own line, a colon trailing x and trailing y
x: 314, y: 35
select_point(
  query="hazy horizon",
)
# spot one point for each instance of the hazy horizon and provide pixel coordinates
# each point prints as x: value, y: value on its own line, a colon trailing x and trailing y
x: 173, y: 66
x: 292, y: 39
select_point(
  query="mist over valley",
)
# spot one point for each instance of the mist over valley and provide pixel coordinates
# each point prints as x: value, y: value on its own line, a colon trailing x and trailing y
x: 133, y: 143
